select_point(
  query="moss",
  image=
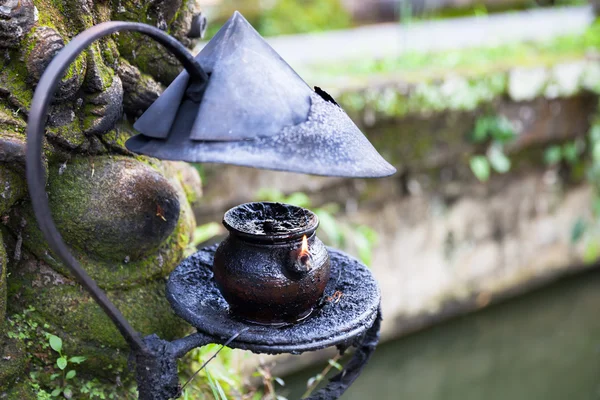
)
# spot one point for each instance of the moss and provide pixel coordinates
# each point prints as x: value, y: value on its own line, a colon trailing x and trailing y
x: 77, y: 67
x: 65, y: 307
x: 106, y: 74
x: 10, y: 121
x: 14, y: 361
x: 12, y: 189
x: 110, y: 52
x: 114, y: 274
x: 419, y: 66
x: 455, y: 94
x: 114, y: 269
x: 52, y: 13
x: 116, y: 138
x: 21, y: 391
x: 190, y: 194
x: 69, y: 135
x: 3, y: 268
x: 415, y: 140
x: 13, y: 80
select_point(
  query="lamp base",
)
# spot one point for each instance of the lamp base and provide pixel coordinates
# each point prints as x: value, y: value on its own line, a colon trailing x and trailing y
x: 347, y: 310
x: 349, y: 314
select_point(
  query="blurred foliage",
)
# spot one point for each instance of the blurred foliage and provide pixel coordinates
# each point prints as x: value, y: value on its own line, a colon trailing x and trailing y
x: 220, y: 379
x: 203, y: 233
x: 280, y: 17
x: 314, y: 381
x: 494, y: 132
x: 585, y: 154
x: 579, y: 159
x: 416, y: 65
x: 294, y: 16
x: 340, y: 234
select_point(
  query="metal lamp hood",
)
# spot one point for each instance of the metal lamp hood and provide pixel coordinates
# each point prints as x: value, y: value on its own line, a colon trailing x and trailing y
x: 255, y: 111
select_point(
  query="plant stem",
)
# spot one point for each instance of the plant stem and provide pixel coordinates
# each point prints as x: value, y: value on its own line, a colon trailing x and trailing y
x: 321, y: 376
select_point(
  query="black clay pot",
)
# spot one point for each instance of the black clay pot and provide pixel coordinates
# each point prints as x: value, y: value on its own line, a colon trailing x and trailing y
x: 262, y: 269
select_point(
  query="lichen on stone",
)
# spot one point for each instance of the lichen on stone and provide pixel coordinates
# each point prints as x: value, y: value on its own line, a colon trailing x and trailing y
x: 126, y: 217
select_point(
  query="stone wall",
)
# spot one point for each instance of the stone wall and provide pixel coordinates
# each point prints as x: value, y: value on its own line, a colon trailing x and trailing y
x: 447, y: 243
x: 128, y: 219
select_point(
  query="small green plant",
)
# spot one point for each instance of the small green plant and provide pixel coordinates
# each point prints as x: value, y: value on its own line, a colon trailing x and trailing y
x: 66, y: 376
x: 269, y: 383
x: 494, y: 132
x: 221, y: 379
x: 314, y: 381
x: 569, y: 153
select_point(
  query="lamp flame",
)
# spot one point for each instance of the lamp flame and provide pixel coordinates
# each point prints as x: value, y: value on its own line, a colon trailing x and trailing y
x: 304, y: 254
x: 304, y: 248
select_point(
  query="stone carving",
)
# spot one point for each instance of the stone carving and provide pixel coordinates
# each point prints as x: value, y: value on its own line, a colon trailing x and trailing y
x: 127, y: 218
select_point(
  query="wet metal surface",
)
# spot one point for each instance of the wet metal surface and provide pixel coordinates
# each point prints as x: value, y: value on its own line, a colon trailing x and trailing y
x: 194, y: 296
x: 270, y: 220
x: 255, y: 111
x: 272, y: 268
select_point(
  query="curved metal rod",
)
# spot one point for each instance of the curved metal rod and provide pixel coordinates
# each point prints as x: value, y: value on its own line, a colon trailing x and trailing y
x: 336, y: 386
x: 35, y: 167
x: 342, y: 381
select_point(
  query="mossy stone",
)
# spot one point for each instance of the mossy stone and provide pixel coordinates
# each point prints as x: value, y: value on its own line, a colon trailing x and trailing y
x: 72, y: 314
x: 20, y: 391
x: 3, y: 267
x: 12, y: 188
x: 108, y: 272
x: 113, y: 207
x: 13, y: 364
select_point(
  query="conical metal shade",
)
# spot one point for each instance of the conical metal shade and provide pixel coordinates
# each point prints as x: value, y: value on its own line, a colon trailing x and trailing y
x: 257, y: 112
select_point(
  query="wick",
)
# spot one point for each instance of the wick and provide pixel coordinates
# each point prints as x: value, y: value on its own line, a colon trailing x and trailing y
x: 305, y: 260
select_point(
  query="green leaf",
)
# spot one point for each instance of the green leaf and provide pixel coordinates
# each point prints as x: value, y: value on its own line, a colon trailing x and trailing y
x: 56, y: 392
x: 77, y: 359
x: 216, y: 388
x: 480, y: 167
x: 570, y: 152
x: 498, y: 128
x: 502, y: 130
x: 553, y: 155
x: 61, y: 363
x: 54, y: 376
x: 55, y: 343
x: 480, y: 132
x: 68, y: 393
x: 498, y: 160
x: 71, y: 374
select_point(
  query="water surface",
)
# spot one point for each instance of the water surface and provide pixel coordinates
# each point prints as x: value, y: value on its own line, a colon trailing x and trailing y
x: 545, y: 345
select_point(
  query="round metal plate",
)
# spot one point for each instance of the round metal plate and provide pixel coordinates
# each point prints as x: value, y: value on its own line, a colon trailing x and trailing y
x: 195, y: 297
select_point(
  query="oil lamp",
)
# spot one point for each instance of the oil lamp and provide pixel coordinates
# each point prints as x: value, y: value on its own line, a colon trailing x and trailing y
x: 271, y: 286
x: 272, y: 268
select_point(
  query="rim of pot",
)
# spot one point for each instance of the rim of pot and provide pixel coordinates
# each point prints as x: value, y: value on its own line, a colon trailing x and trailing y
x: 237, y: 221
